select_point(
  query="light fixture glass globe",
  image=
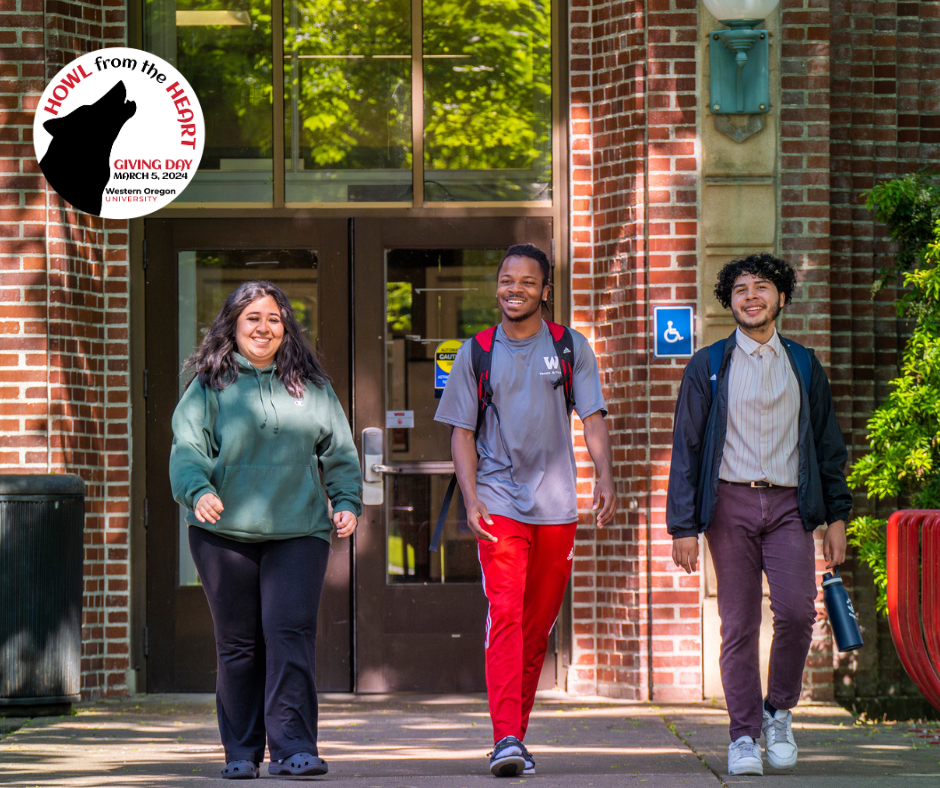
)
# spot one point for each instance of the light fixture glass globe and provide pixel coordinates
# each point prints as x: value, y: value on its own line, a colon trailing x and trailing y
x: 727, y: 10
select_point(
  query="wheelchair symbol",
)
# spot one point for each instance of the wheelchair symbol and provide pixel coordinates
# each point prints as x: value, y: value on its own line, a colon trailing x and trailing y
x: 672, y: 335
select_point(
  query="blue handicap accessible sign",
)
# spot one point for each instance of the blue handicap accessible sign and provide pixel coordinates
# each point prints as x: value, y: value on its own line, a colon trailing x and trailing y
x: 673, y: 335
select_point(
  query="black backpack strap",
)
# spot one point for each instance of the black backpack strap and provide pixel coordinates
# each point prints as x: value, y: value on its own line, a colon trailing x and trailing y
x: 564, y: 349
x: 442, y: 517
x: 481, y: 355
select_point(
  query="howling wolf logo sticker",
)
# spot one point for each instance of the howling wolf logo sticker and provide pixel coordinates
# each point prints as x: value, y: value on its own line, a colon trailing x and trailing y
x: 91, y: 129
x: 118, y: 133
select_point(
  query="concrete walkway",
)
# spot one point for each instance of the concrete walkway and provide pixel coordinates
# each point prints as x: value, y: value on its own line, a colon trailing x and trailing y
x: 437, y: 741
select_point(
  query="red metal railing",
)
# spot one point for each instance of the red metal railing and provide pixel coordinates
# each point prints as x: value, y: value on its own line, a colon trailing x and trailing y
x: 914, y: 595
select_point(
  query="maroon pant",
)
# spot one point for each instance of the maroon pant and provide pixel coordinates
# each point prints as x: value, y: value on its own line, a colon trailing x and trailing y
x: 757, y: 530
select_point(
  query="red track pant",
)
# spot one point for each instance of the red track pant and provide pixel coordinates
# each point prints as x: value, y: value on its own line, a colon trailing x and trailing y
x: 524, y: 579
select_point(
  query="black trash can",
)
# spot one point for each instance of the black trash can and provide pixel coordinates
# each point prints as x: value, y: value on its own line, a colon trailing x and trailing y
x: 42, y: 518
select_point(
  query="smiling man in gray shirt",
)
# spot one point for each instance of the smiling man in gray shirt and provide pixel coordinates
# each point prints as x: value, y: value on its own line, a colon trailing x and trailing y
x: 518, y: 481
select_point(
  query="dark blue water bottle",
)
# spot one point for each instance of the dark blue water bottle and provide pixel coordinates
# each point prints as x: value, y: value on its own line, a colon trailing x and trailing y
x: 841, y: 613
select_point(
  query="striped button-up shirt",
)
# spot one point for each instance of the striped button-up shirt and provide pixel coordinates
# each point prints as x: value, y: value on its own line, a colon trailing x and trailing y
x: 761, y: 443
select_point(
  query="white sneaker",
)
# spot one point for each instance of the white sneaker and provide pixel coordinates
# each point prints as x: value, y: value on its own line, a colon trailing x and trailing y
x: 744, y: 757
x: 778, y: 739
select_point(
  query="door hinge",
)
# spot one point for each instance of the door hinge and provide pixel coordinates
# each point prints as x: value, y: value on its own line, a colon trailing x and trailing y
x: 146, y: 513
x: 145, y: 384
x: 145, y: 254
x: 146, y: 642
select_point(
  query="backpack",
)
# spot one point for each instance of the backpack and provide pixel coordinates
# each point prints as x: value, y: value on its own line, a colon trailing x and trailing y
x: 481, y: 358
x: 804, y: 365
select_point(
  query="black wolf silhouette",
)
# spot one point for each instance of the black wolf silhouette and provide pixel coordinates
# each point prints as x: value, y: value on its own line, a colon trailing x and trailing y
x: 77, y: 164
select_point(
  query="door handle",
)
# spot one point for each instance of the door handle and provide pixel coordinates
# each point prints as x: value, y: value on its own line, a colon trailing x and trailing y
x: 373, y: 486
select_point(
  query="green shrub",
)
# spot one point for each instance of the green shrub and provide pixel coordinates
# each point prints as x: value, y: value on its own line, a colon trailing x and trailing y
x: 904, y: 432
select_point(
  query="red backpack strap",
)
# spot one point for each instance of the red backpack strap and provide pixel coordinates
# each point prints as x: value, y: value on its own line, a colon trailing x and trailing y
x: 485, y: 338
x: 558, y: 331
x: 564, y: 349
x: 481, y: 355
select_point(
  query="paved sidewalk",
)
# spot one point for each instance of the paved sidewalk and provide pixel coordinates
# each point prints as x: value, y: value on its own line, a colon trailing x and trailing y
x: 435, y: 741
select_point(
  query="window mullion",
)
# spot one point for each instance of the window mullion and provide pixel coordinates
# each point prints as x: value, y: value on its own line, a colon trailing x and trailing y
x: 277, y: 104
x: 417, y: 102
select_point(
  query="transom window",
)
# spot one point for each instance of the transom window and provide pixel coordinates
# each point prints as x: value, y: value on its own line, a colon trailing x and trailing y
x: 373, y: 102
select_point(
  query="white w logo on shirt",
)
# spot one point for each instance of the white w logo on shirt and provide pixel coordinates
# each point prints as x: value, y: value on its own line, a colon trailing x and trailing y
x: 551, y: 362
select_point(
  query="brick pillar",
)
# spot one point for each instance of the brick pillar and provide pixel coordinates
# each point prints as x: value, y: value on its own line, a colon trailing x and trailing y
x: 63, y: 333
x: 804, y: 229
x: 632, y: 101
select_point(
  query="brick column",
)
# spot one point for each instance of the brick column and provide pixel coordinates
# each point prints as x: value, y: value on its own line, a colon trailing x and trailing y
x: 64, y: 327
x: 633, y: 101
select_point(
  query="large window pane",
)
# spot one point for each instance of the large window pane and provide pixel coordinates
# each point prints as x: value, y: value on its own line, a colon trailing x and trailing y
x: 348, y: 100
x: 487, y: 100
x: 432, y: 296
x: 224, y: 48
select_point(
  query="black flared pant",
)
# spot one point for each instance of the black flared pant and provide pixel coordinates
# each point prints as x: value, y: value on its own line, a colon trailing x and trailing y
x: 264, y: 598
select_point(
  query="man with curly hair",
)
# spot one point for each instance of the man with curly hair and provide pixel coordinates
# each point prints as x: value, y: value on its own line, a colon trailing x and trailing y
x: 757, y: 465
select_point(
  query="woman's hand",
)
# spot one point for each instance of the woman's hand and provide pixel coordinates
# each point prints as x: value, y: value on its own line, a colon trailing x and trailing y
x: 345, y: 523
x: 208, y: 508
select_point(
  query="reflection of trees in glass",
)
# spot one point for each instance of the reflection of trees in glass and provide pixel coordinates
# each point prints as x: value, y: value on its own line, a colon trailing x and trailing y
x: 348, y: 67
x: 487, y: 70
x: 477, y: 310
x: 399, y: 301
x: 492, y: 109
x: 229, y: 67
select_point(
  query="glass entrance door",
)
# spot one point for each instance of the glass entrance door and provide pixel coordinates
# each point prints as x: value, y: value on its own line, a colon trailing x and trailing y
x: 421, y: 290
x: 191, y: 269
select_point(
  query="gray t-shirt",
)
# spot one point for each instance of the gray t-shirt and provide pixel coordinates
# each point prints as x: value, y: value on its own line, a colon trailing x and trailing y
x: 526, y: 469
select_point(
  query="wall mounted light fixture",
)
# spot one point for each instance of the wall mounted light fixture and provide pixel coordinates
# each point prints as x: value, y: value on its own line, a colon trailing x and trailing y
x: 740, y: 57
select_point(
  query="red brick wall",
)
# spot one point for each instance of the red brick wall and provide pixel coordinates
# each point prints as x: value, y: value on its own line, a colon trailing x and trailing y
x: 885, y: 122
x: 64, y: 398
x: 632, y: 68
x: 867, y: 108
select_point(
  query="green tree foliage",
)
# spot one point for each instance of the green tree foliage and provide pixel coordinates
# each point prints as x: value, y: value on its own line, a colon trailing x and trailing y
x: 490, y: 108
x: 910, y: 207
x: 231, y: 69
x: 398, y: 307
x: 904, y: 432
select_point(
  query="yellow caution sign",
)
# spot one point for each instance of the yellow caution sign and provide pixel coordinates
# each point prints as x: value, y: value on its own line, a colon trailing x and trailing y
x: 444, y: 361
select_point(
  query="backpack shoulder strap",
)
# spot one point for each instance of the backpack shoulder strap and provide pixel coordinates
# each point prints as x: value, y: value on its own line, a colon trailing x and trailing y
x: 716, y: 352
x: 481, y: 357
x: 803, y: 362
x: 564, y: 349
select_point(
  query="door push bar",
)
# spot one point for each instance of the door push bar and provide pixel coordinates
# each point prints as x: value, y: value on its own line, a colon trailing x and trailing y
x: 374, y: 468
x: 416, y: 468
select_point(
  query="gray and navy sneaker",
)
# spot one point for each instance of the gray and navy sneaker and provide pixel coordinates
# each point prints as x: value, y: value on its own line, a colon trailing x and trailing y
x: 529, y: 761
x: 507, y: 758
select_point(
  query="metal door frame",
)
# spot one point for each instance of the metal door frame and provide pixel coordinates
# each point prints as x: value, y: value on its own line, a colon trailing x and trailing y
x: 178, y: 629
x: 383, y: 612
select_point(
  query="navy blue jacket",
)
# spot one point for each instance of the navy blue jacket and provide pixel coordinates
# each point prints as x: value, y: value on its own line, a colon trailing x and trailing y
x: 698, y: 443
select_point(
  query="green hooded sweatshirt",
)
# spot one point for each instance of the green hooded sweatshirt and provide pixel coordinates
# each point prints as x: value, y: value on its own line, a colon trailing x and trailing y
x: 260, y: 451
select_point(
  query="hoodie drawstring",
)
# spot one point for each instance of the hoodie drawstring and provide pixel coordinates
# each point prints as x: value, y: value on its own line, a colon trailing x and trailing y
x: 261, y: 397
x: 277, y: 421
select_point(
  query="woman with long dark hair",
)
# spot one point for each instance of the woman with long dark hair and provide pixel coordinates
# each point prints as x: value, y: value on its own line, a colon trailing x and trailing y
x: 252, y: 434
